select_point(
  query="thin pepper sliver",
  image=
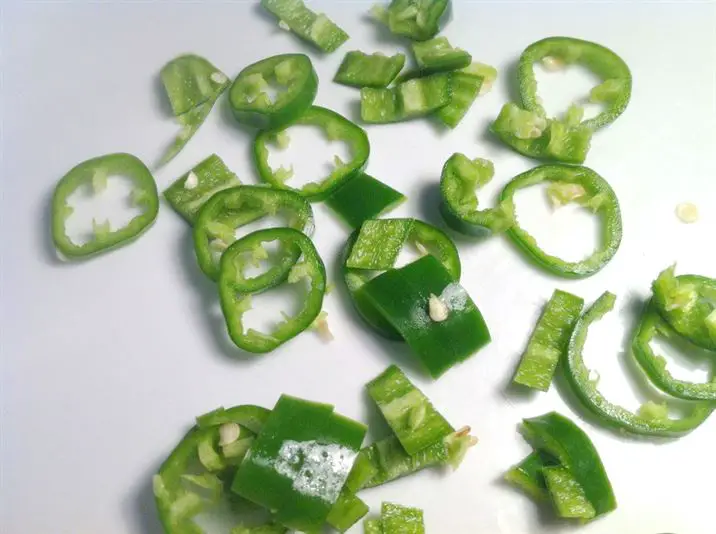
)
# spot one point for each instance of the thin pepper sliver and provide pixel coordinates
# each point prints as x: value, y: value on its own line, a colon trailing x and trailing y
x: 362, y: 198
x: 567, y: 494
x: 346, y: 512
x: 315, y: 28
x: 369, y: 70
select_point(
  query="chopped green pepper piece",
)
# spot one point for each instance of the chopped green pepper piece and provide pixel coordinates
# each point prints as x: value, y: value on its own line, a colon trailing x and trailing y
x: 299, y: 462
x: 461, y: 178
x: 249, y: 416
x: 415, y: 19
x: 549, y: 341
x: 347, y: 511
x: 688, y: 303
x: 438, y: 55
x: 652, y: 419
x: 432, y: 312
x: 362, y: 198
x: 413, y: 98
x: 414, y: 420
x: 314, y: 28
x: 336, y: 127
x: 567, y: 494
x: 615, y: 91
x: 372, y: 526
x: 527, y: 475
x: 191, y: 191
x: 465, y: 89
x: 235, y: 289
x: 369, y: 70
x: 598, y: 195
x: 88, y: 174
x: 249, y: 99
x: 379, y: 244
x: 216, y: 224
x: 398, y: 519
x: 192, y: 84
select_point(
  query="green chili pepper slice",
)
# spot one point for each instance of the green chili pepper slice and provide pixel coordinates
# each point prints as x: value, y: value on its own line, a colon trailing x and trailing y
x: 336, y: 128
x: 235, y: 289
x: 191, y: 191
x: 460, y: 179
x: 614, y: 91
x: 438, y: 55
x: 688, y: 303
x: 651, y: 419
x: 595, y: 193
x: 372, y: 526
x: 250, y: 100
x: 369, y: 70
x: 650, y: 326
x: 93, y: 174
x: 363, y: 198
x: 346, y: 512
x: 425, y: 238
x: 465, y: 90
x: 216, y: 224
x: 397, y: 519
x: 247, y: 415
x: 567, y: 494
x: 378, y: 244
x: 410, y: 99
x: 549, y: 341
x: 314, y: 28
x: 409, y: 413
x: 527, y: 475
x: 415, y: 19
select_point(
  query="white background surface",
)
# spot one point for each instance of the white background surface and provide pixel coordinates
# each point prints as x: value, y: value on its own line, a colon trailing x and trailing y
x: 105, y: 363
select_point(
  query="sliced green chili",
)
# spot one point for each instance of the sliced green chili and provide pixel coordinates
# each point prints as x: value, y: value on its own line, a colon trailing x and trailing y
x: 247, y: 415
x: 397, y: 519
x: 315, y: 28
x: 438, y: 55
x: 346, y: 512
x: 527, y: 475
x: 614, y: 91
x: 411, y: 99
x: 651, y: 419
x: 216, y: 224
x: 598, y: 195
x: 336, y: 128
x: 362, y: 198
x: 93, y: 174
x: 369, y: 70
x: 549, y: 341
x: 416, y: 19
x: 567, y: 494
x: 379, y: 244
x: 465, y: 89
x: 688, y: 303
x: 372, y: 526
x: 235, y: 289
x: 460, y: 179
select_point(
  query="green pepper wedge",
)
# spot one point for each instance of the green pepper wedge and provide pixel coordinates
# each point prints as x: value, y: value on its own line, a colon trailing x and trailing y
x: 363, y: 198
x: 415, y: 19
x: 235, y: 289
x: 216, y: 224
x: 250, y: 101
x: 314, y: 28
x: 596, y: 194
x: 651, y: 419
x: 614, y: 91
x: 369, y: 70
x: 688, y: 304
x: 408, y: 100
x: 93, y: 174
x: 336, y: 128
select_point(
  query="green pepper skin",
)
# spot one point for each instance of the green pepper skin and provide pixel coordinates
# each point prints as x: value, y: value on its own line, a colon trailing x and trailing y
x: 416, y: 19
x: 246, y: 415
x: 465, y: 90
x: 397, y: 519
x: 612, y: 414
x: 301, y: 87
x: 410, y: 99
x: 527, y: 475
x: 363, y: 198
x: 336, y: 127
x: 369, y: 70
x: 599, y: 196
x: 313, y: 28
x: 144, y: 195
x: 599, y: 59
x: 438, y: 55
x: 235, y: 290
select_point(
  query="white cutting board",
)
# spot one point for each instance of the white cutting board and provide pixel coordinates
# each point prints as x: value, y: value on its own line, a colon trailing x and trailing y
x: 105, y: 363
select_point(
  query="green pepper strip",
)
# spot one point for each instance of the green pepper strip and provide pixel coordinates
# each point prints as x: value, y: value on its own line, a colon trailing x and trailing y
x: 235, y: 290
x: 549, y: 341
x: 191, y: 191
x: 532, y: 134
x: 433, y: 313
x: 461, y: 178
x: 438, y: 55
x: 397, y: 519
x: 688, y: 304
x: 414, y: 420
x: 314, y: 28
x: 527, y: 475
x: 216, y: 224
x: 93, y: 174
x: 249, y: 98
x: 560, y: 438
x: 654, y: 366
x: 379, y: 244
x: 567, y: 494
x: 651, y: 419
x: 426, y: 238
x: 369, y: 70
x: 615, y: 90
x: 336, y: 128
x: 346, y: 512
x: 465, y: 90
x: 362, y: 198
x: 193, y: 85
x: 411, y: 99
x: 598, y: 196
x: 416, y: 19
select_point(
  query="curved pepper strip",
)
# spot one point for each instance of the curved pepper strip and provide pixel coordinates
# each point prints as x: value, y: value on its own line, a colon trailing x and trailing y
x: 314, y: 28
x: 235, y: 290
x: 460, y: 179
x: 651, y: 419
x: 93, y: 174
x: 614, y: 91
x: 336, y: 128
x: 250, y: 100
x: 424, y: 237
x: 216, y: 224
x: 688, y: 304
x: 597, y: 195
x: 652, y: 325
